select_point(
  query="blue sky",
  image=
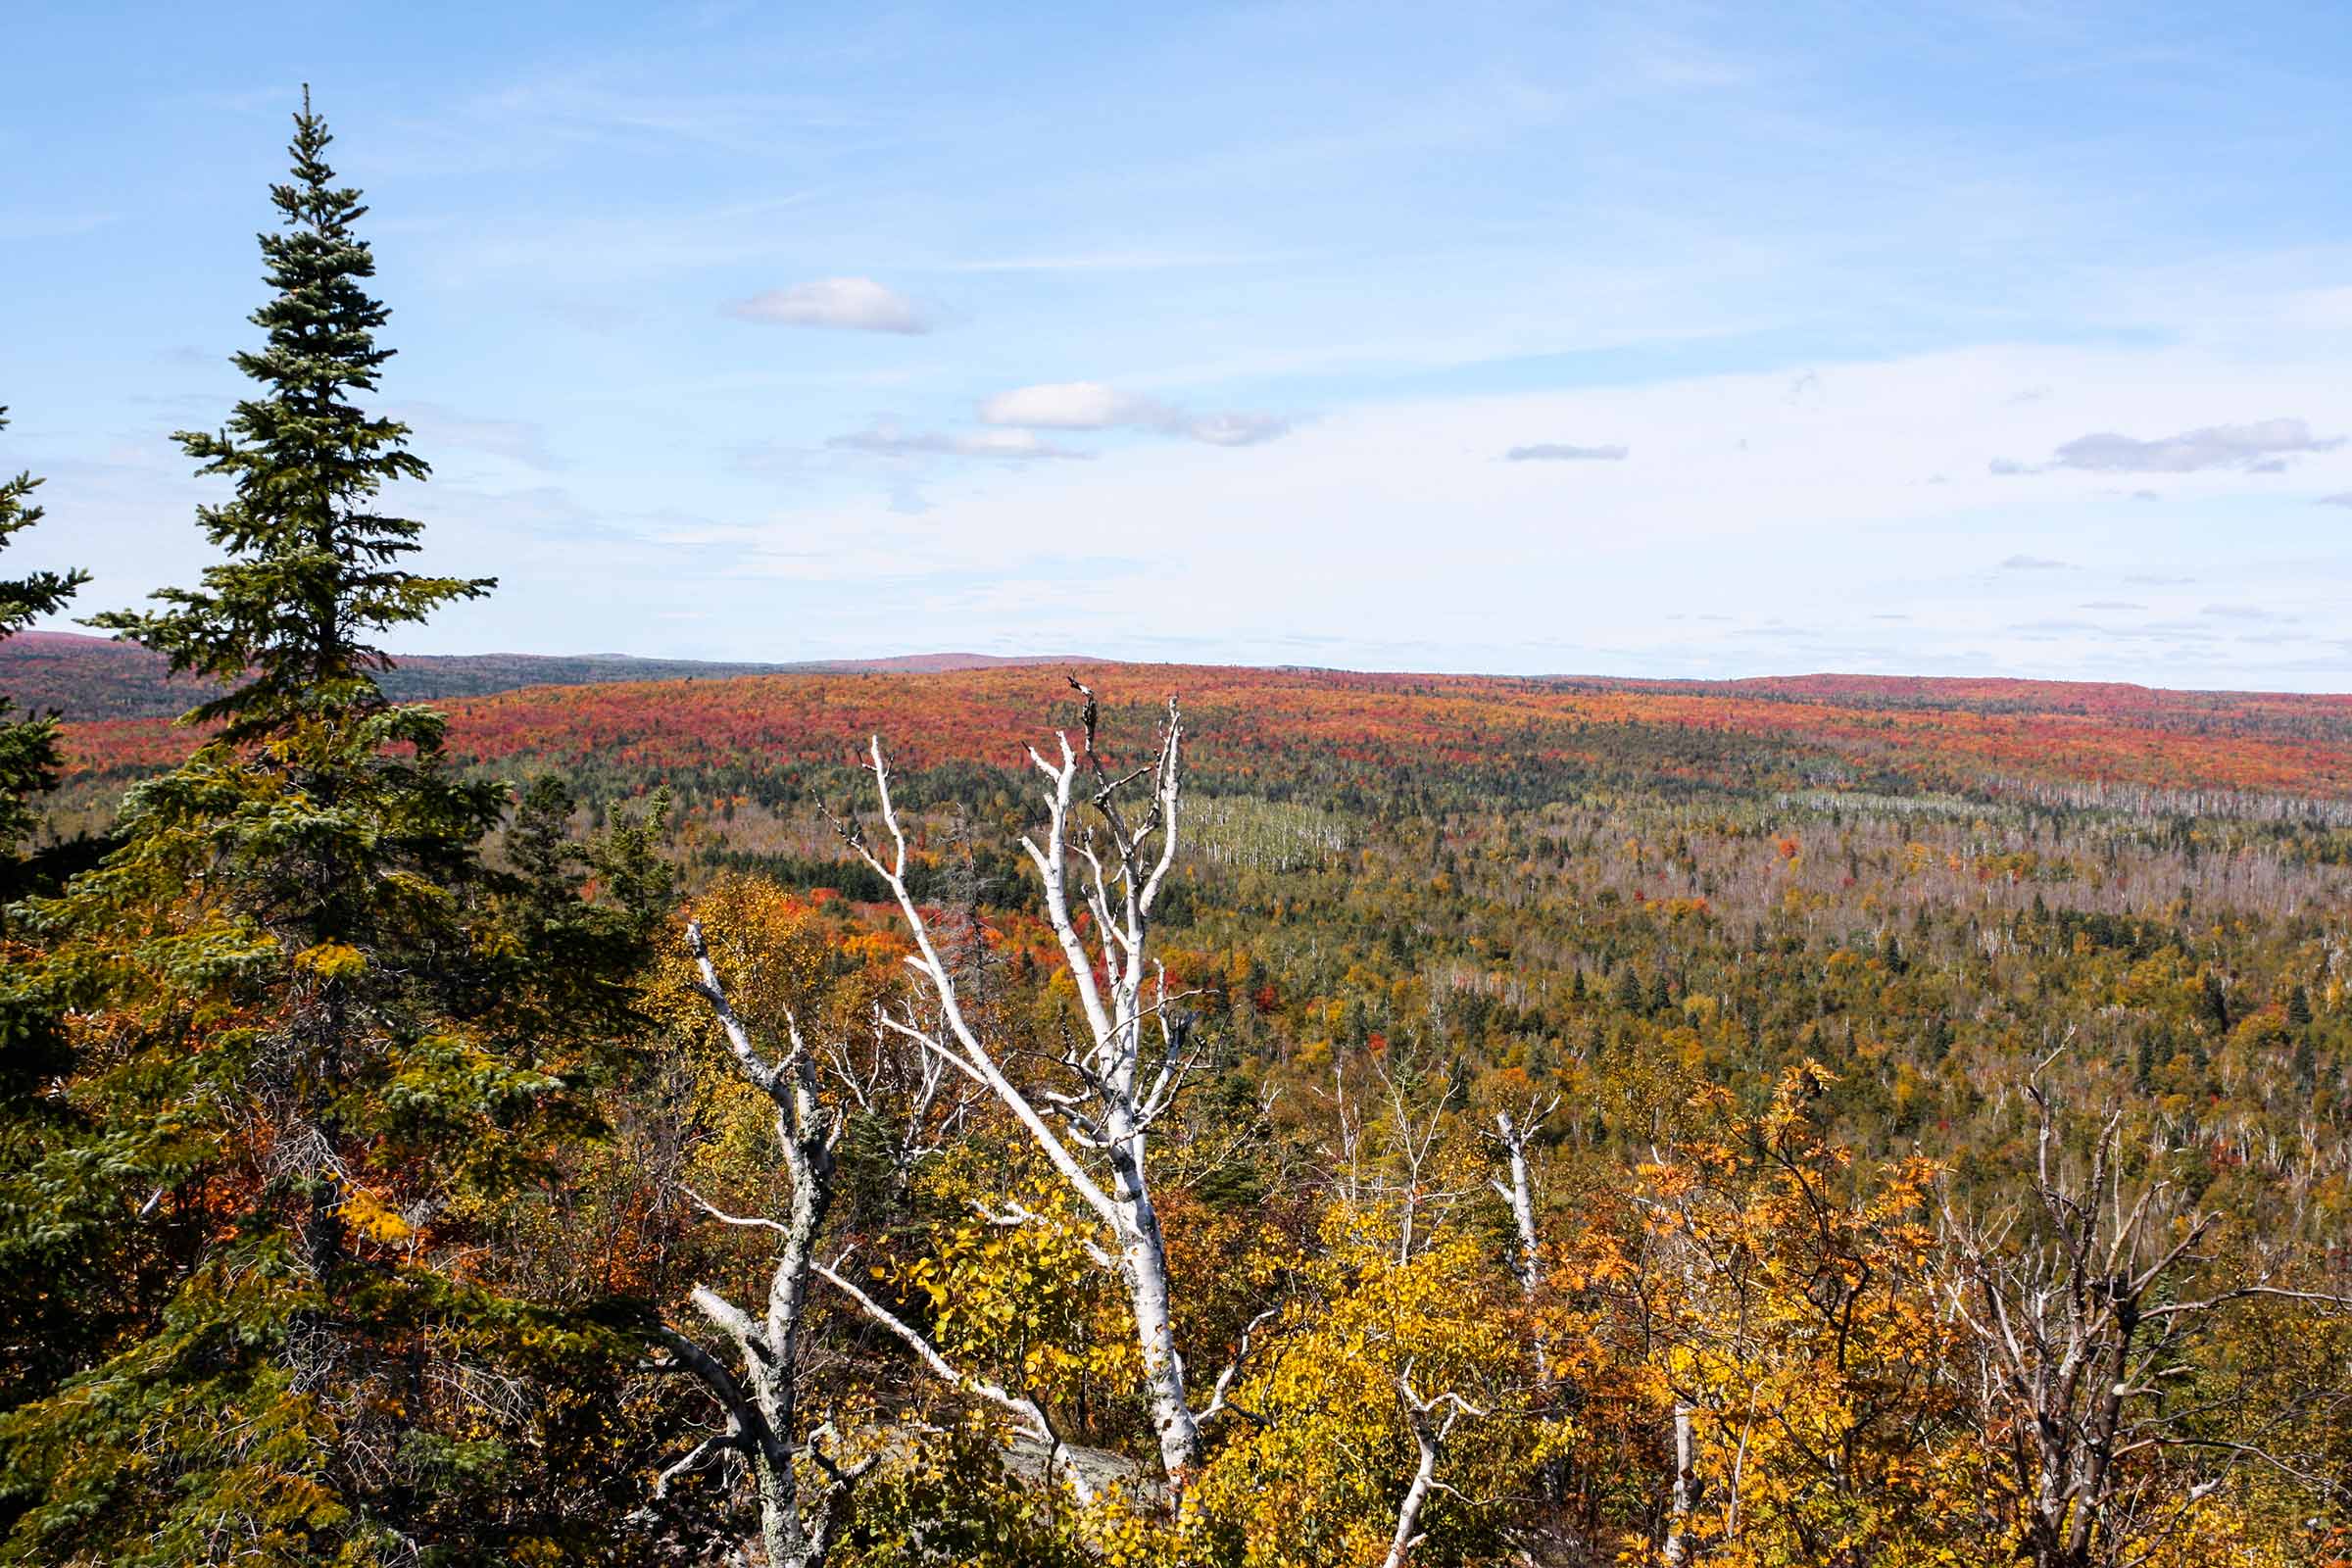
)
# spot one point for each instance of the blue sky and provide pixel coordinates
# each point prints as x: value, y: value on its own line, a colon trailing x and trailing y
x: 1988, y: 338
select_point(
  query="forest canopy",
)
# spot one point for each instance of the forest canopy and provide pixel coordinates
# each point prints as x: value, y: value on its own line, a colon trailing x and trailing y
x: 1136, y: 1114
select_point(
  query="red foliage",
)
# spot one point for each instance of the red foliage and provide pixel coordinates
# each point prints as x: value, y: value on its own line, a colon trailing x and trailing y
x: 1986, y: 731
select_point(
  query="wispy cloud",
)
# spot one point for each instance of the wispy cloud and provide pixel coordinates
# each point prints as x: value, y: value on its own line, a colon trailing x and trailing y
x: 1094, y: 405
x: 2036, y: 564
x: 2266, y: 446
x: 1562, y: 452
x: 2342, y: 500
x: 1013, y: 446
x: 852, y: 304
x: 549, y: 117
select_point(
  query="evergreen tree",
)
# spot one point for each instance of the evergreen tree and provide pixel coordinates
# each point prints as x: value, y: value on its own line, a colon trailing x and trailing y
x: 2213, y: 1003
x: 36, y: 1325
x: 323, y: 1040
x: 27, y: 744
x: 1627, y: 998
x: 2298, y: 1008
x: 313, y: 572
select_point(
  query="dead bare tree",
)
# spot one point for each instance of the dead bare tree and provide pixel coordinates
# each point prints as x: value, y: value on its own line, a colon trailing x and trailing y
x: 2085, y: 1309
x: 1384, y: 1168
x: 760, y: 1395
x: 1101, y: 858
x: 903, y: 1095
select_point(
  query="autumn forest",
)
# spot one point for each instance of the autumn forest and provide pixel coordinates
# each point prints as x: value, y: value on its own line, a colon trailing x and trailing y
x: 1068, y: 1113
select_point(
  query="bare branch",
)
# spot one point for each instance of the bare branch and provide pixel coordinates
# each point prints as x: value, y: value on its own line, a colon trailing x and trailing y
x: 937, y: 1364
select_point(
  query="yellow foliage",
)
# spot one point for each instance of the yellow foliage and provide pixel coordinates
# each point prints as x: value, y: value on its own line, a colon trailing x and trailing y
x: 1024, y: 1300
x: 372, y: 1217
x: 332, y: 960
x: 1793, y: 1319
x: 1313, y: 1477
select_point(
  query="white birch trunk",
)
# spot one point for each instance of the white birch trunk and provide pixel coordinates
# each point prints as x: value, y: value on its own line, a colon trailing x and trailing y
x: 1683, y: 1500
x: 761, y: 1401
x: 1429, y: 1442
x: 1528, y: 1267
x: 1408, y: 1512
x: 1118, y: 1093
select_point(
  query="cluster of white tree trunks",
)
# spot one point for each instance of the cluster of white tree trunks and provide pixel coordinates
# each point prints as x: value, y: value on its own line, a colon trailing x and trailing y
x: 1101, y: 853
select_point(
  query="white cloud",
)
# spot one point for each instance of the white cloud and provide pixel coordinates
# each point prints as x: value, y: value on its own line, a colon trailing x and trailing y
x: 1092, y: 406
x: 854, y: 304
x: 1824, y: 502
x: 1060, y: 406
x: 1456, y: 559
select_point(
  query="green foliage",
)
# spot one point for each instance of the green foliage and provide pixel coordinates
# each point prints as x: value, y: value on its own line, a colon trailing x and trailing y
x: 312, y: 1037
x: 312, y: 573
x: 315, y: 1022
x: 28, y: 760
x: 953, y: 1505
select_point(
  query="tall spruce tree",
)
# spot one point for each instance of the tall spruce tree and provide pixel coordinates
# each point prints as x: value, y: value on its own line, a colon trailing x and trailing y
x: 320, y: 1040
x: 311, y: 573
x: 27, y: 744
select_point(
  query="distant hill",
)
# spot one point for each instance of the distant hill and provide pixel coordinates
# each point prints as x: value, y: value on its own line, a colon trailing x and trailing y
x: 2294, y: 715
x: 95, y: 677
x: 2177, y: 752
x: 726, y: 723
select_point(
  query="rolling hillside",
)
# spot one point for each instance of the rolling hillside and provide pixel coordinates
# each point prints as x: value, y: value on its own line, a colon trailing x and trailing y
x: 2168, y: 750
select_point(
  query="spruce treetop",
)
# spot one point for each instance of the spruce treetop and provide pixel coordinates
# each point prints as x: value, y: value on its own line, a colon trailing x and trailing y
x: 313, y: 573
x: 24, y: 599
x: 27, y: 746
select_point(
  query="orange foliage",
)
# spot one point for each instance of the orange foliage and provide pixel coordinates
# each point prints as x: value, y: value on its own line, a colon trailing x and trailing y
x: 1984, y: 731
